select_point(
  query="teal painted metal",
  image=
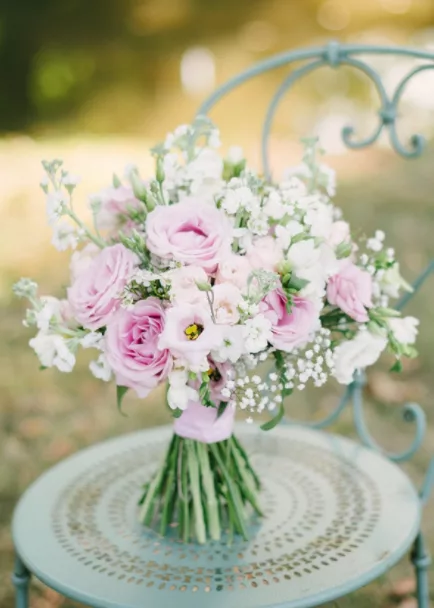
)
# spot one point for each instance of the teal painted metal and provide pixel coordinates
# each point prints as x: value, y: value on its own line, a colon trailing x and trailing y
x: 327, y: 529
x: 335, y: 55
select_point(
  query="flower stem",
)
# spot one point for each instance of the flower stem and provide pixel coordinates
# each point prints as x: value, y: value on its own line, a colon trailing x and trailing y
x: 169, y: 488
x: 209, y: 489
x: 193, y: 474
x: 184, y: 497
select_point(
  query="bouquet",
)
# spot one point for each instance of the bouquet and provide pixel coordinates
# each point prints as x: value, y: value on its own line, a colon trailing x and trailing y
x: 193, y: 278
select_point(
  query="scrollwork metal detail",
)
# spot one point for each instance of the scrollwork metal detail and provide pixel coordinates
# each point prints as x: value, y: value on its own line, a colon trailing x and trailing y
x: 334, y: 55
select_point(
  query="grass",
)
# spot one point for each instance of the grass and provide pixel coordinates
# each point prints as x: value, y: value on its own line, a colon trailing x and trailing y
x: 44, y: 416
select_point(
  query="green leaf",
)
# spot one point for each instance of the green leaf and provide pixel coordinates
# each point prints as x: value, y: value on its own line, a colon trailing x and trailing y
x: 221, y: 408
x: 120, y: 393
x: 297, y: 283
x: 177, y: 413
x: 267, y: 426
x: 397, y: 366
x: 42, y: 368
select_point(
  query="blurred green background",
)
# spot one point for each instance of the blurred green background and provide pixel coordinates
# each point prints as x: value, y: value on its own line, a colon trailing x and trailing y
x: 96, y: 82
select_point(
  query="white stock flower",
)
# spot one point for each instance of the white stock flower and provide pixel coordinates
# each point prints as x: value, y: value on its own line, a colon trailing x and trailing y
x: 292, y: 188
x: 51, y: 311
x: 320, y: 219
x: 52, y: 350
x: 274, y: 206
x: 257, y: 332
x: 363, y: 350
x: 404, y: 329
x: 392, y: 282
x: 179, y: 393
x: 93, y: 339
x: 232, y: 346
x: 55, y: 206
x: 100, y: 368
x: 64, y: 236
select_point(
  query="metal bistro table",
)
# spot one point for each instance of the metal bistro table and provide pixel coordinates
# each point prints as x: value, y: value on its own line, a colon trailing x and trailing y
x: 337, y: 514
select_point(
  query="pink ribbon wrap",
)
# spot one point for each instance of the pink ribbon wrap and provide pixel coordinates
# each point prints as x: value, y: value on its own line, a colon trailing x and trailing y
x: 201, y: 423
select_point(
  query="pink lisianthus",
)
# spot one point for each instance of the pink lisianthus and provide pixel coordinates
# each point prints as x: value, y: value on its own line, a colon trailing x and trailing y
x: 351, y: 290
x: 95, y: 293
x: 234, y: 269
x: 289, y: 330
x: 131, y: 346
x: 190, y: 334
x: 114, y: 204
x: 219, y: 377
x: 265, y: 253
x: 226, y: 298
x: 183, y: 285
x: 189, y: 233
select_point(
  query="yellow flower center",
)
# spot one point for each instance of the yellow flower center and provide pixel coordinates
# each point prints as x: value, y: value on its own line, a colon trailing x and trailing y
x: 214, y: 374
x: 193, y: 331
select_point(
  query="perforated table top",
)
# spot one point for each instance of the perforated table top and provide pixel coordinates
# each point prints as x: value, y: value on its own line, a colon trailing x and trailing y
x: 337, y: 516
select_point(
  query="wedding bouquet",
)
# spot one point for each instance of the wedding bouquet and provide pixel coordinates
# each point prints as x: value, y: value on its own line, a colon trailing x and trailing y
x: 193, y: 278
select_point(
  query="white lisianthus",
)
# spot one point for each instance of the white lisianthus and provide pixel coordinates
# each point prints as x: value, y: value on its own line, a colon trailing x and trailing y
x: 392, y: 282
x: 303, y: 254
x: 100, y: 368
x: 52, y: 350
x: 179, y: 393
x: 257, y: 333
x: 404, y: 329
x: 363, y: 350
x: 65, y: 236
x: 284, y: 234
x: 232, y: 346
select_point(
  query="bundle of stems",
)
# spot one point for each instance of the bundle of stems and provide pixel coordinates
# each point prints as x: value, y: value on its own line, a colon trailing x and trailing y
x: 202, y: 490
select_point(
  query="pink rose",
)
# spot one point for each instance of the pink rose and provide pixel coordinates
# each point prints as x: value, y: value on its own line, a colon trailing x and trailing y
x: 234, y: 269
x: 264, y: 253
x: 190, y: 334
x: 114, y: 206
x: 289, y: 330
x: 351, y: 290
x: 95, y: 293
x: 131, y: 346
x: 190, y: 233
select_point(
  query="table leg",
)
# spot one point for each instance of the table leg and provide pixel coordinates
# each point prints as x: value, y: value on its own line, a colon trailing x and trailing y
x: 21, y: 580
x: 421, y: 561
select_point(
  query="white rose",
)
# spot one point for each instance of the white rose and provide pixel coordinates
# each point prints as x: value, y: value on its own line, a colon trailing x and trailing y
x: 52, y: 350
x: 363, y: 350
x: 404, y: 329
